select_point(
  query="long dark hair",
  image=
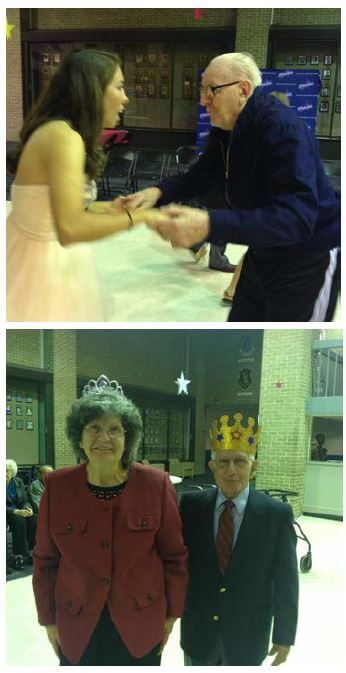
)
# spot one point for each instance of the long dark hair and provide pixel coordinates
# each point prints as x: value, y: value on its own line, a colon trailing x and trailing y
x: 74, y: 94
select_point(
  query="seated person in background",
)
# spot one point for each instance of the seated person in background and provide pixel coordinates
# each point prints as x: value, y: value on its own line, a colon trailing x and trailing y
x: 319, y: 452
x: 19, y: 516
x: 37, y: 487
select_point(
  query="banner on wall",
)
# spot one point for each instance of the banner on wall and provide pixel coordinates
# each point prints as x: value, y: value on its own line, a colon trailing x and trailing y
x: 302, y: 87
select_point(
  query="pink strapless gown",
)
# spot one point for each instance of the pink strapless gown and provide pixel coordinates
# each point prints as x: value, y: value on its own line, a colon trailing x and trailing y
x: 45, y: 281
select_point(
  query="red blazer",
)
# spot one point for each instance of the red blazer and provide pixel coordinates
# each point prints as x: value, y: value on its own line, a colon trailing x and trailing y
x: 127, y: 552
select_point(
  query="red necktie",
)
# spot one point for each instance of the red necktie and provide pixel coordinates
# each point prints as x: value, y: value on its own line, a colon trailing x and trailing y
x: 224, y: 536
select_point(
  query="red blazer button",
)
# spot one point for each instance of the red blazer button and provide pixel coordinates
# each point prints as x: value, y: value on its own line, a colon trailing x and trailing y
x: 69, y: 527
x: 105, y: 580
x: 150, y: 597
x: 143, y: 523
x: 68, y: 603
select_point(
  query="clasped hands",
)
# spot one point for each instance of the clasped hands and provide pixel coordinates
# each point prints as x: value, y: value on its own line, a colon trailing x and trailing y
x: 181, y: 225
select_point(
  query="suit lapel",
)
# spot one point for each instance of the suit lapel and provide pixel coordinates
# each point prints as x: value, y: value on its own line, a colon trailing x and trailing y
x: 206, y: 525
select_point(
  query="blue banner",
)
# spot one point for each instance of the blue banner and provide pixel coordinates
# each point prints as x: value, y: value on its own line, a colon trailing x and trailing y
x: 302, y: 88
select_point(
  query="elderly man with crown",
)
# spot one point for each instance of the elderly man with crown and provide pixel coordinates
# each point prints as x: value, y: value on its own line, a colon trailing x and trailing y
x: 243, y: 577
x: 110, y: 570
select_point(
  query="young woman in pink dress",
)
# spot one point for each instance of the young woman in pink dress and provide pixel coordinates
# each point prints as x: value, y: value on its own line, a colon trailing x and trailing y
x: 50, y: 272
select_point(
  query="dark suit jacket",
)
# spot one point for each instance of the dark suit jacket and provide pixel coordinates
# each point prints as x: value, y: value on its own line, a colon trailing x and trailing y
x: 22, y: 498
x: 127, y: 552
x: 261, y: 580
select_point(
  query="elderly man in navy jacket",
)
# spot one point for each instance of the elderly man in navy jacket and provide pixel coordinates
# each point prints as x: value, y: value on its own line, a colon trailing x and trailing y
x: 242, y: 561
x: 274, y: 198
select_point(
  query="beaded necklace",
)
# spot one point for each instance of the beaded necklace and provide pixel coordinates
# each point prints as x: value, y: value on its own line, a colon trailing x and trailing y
x: 106, y: 492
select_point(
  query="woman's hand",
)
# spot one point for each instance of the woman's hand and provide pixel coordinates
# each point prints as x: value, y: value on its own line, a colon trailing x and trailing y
x: 53, y: 637
x: 168, y: 626
x: 146, y: 198
x: 152, y: 217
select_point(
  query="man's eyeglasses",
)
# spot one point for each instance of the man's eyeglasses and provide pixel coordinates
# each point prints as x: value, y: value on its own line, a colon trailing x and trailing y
x: 213, y: 90
x: 95, y: 430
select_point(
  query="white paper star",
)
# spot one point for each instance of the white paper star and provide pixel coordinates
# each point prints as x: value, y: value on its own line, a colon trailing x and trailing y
x: 182, y: 384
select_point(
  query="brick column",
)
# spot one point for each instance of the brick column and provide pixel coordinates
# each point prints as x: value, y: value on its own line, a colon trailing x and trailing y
x: 285, y: 433
x: 14, y: 96
x: 65, y: 384
x: 252, y: 33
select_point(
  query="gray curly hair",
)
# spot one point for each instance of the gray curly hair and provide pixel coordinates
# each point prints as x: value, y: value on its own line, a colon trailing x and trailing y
x: 95, y: 405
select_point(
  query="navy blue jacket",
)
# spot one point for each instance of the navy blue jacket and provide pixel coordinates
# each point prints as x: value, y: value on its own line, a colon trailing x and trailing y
x: 276, y: 193
x: 260, y: 585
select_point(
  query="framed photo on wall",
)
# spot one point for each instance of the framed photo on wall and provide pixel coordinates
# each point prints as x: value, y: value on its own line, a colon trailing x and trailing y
x: 9, y: 423
x: 19, y: 411
x: 325, y: 91
x: 8, y: 396
x: 324, y: 106
x: 19, y: 425
x: 28, y: 411
x: 289, y: 60
x: 338, y: 107
x: 151, y: 91
x: 301, y: 60
x: 163, y: 90
x: 326, y: 73
x: 8, y: 410
x: 29, y: 425
x: 328, y: 60
x: 314, y: 59
x: 19, y: 397
x: 139, y: 90
x: 164, y: 60
x: 28, y: 399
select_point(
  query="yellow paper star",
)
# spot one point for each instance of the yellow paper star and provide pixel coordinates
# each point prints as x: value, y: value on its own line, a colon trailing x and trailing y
x: 9, y: 29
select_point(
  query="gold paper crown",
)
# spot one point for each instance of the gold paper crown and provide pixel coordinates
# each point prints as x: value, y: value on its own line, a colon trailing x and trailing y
x: 234, y: 437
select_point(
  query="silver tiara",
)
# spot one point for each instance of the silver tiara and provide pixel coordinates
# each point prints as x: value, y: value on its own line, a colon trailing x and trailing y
x: 102, y: 385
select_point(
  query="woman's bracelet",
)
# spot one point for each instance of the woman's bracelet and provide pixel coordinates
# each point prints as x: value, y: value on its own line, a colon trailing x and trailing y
x: 130, y: 218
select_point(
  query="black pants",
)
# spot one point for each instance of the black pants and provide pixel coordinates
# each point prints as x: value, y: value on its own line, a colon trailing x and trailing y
x: 23, y: 531
x: 106, y: 648
x: 285, y: 286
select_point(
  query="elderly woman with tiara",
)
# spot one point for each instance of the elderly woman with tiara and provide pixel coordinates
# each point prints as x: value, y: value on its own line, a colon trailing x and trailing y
x: 109, y: 563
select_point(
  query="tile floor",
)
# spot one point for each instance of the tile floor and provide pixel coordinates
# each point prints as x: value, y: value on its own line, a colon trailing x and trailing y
x: 145, y: 280
x: 319, y: 645
x: 165, y: 285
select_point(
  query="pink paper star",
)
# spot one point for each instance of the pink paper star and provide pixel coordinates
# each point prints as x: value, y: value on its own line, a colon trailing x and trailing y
x: 278, y: 384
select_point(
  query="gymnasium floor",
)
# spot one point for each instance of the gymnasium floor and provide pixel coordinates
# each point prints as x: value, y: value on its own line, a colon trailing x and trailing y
x: 319, y: 644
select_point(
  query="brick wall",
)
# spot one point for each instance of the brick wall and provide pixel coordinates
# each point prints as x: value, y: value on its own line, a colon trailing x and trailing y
x: 133, y: 18
x: 285, y: 431
x: 24, y: 348
x: 65, y: 377
x: 252, y: 33
x: 314, y: 17
x: 14, y: 95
